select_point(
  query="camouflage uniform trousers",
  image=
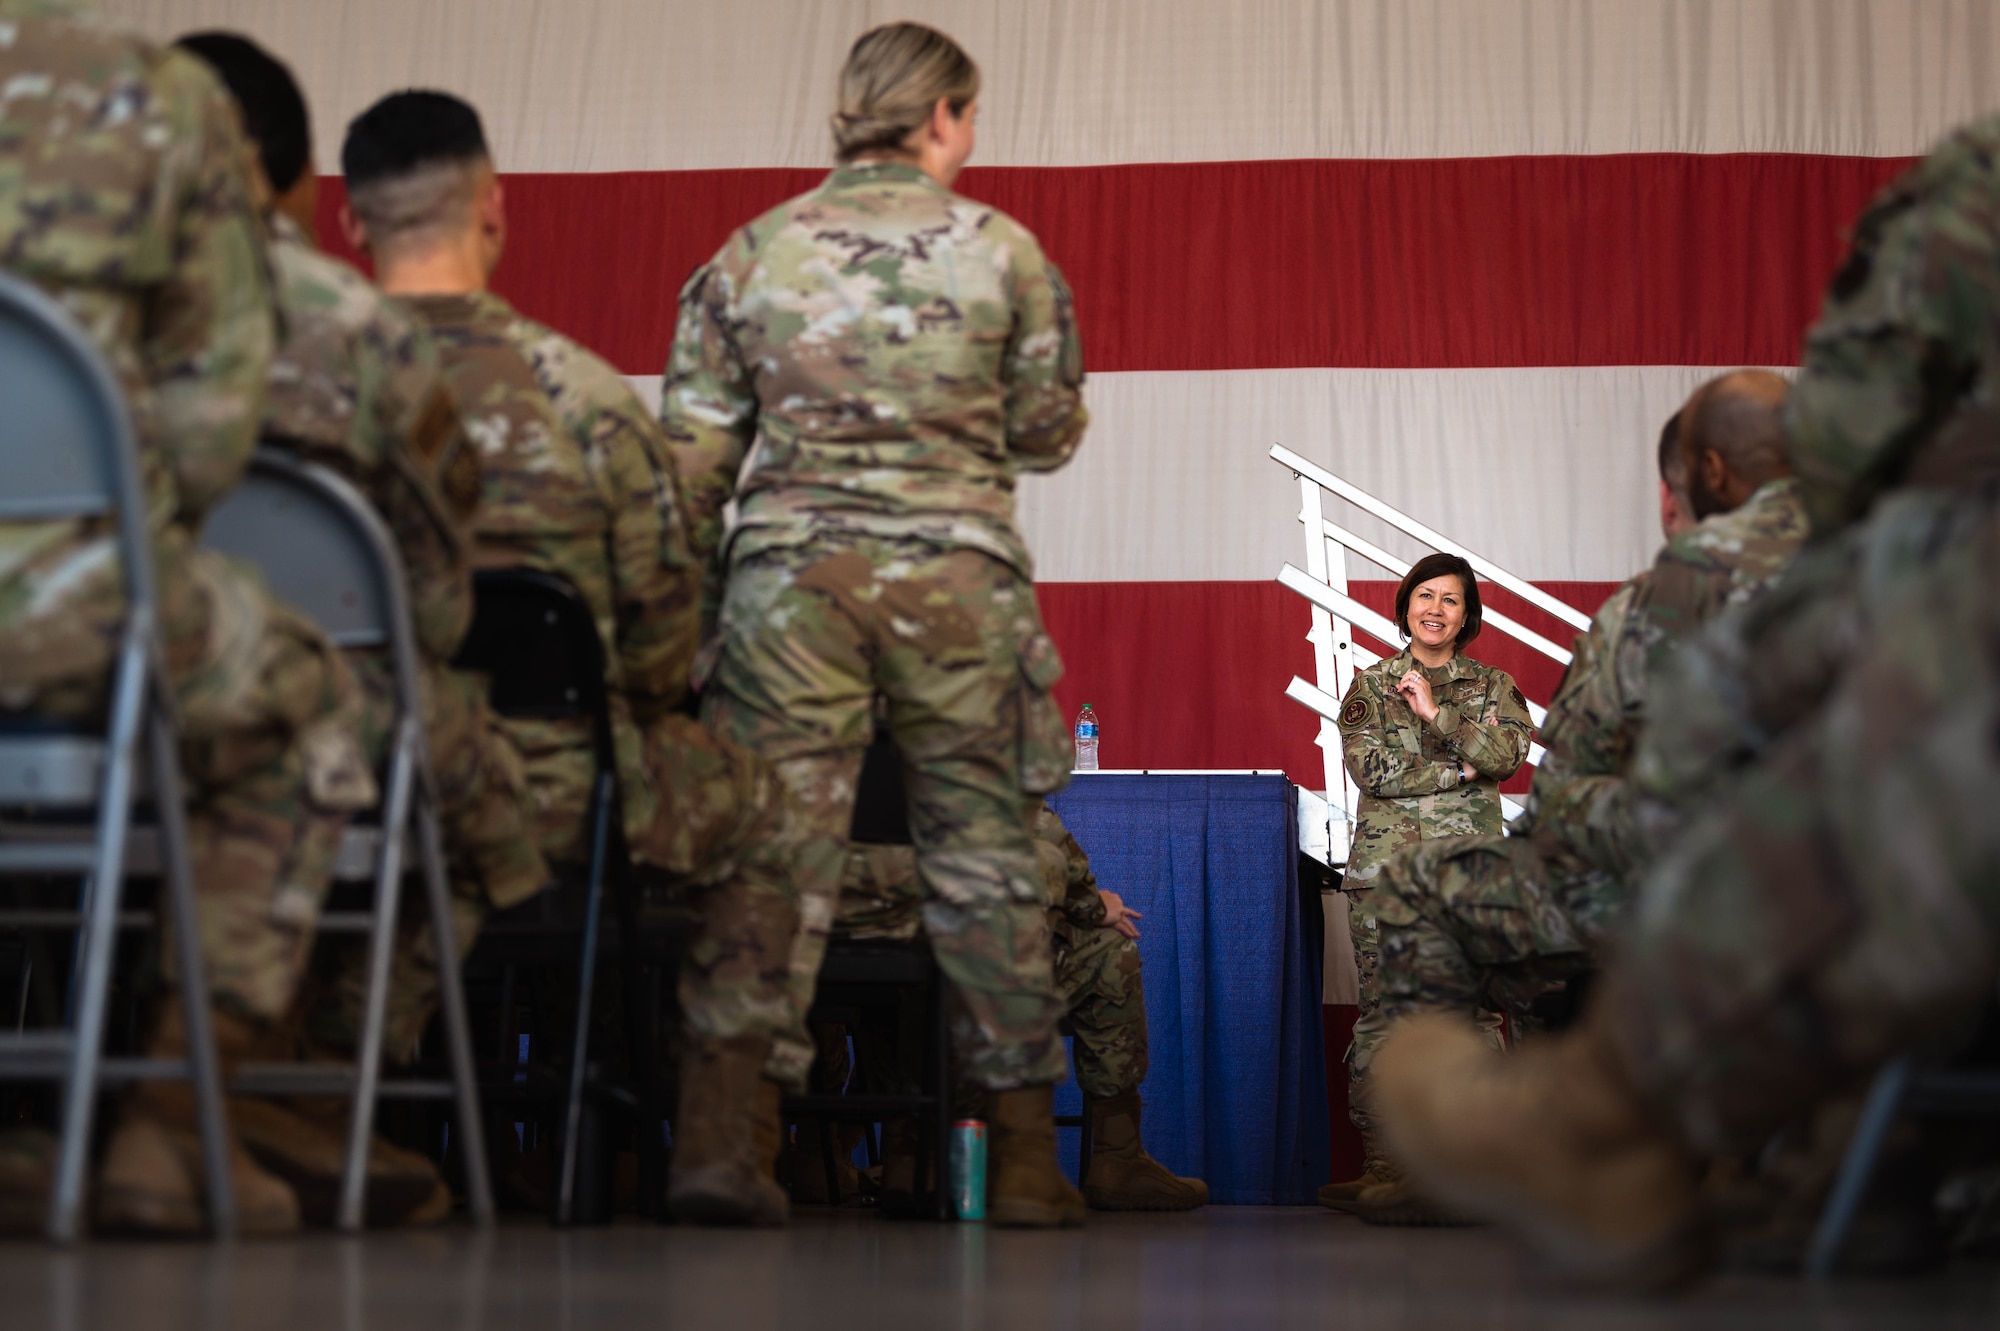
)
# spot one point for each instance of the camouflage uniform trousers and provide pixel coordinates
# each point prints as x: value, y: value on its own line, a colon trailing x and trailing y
x: 951, y: 641
x: 1475, y: 925
x: 492, y: 858
x: 1371, y: 1024
x: 267, y: 712
x: 1096, y: 971
x: 1837, y: 901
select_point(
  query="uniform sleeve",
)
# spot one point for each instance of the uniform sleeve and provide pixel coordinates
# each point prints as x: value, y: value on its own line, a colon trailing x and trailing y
x: 1081, y: 901
x: 708, y: 405
x: 1379, y: 764
x: 1586, y: 809
x: 1750, y: 674
x: 656, y: 591
x: 1496, y: 741
x: 210, y: 330
x: 419, y: 431
x: 1043, y: 371
x: 1901, y: 334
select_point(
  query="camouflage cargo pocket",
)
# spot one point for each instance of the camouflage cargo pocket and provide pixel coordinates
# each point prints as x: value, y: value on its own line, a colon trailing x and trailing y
x: 1046, y: 753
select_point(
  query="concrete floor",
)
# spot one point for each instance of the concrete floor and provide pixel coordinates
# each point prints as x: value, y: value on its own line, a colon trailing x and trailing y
x: 1225, y: 1267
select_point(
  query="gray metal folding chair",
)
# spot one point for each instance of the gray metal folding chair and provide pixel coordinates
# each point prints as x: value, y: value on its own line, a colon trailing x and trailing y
x: 1902, y: 1086
x: 66, y: 451
x: 324, y: 551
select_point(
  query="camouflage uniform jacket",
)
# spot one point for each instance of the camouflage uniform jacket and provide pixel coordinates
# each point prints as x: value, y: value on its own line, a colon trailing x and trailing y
x: 578, y: 483
x: 1581, y: 807
x: 356, y: 385
x: 159, y: 256
x: 1900, y: 378
x: 1408, y: 770
x: 895, y: 353
x: 1074, y: 898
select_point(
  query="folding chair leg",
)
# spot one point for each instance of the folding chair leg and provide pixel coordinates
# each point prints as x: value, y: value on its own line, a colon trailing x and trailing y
x: 653, y: 1104
x: 204, y: 1063
x: 506, y: 1047
x: 381, y: 953
x: 828, y: 1164
x: 1857, y: 1167
x: 603, y: 798
x: 641, y: 1021
x: 941, y: 1088
x: 457, y: 1028
x: 90, y: 976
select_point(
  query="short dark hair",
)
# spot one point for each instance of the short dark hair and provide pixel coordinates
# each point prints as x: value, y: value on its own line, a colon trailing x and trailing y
x: 1673, y: 462
x: 274, y: 111
x: 407, y: 130
x: 1741, y: 416
x: 1437, y: 566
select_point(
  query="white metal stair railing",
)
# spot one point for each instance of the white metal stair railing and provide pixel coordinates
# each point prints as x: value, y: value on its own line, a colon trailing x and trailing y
x: 1336, y: 615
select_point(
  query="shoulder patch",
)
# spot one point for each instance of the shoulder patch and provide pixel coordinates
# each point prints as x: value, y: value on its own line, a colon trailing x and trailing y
x: 1520, y: 699
x: 1354, y: 713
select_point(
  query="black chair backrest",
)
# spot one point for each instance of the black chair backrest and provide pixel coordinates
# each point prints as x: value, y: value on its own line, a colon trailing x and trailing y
x: 881, y: 803
x: 534, y: 637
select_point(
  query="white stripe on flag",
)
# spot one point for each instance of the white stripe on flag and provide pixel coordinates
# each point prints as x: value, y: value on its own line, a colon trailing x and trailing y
x: 1548, y: 472
x: 638, y: 85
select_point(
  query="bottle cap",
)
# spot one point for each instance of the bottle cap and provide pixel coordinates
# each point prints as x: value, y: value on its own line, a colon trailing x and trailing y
x: 1086, y: 705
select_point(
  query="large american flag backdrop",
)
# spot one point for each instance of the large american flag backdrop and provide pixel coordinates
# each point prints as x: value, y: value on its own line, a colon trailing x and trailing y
x: 1466, y: 253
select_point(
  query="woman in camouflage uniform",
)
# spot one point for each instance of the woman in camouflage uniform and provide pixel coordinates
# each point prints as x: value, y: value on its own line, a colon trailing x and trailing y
x: 1428, y: 734
x: 887, y: 356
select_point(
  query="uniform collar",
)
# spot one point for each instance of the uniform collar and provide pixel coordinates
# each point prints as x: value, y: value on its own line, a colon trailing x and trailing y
x: 1771, y: 491
x: 851, y: 174
x: 1407, y: 660
x: 460, y: 305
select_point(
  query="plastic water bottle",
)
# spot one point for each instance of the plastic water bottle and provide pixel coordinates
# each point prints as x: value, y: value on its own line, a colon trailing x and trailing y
x: 1086, y: 740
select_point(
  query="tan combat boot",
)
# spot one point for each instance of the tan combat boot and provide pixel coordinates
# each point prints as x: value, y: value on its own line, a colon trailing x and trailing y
x: 1024, y: 1187
x: 151, y: 1178
x: 1120, y: 1176
x: 1553, y: 1141
x: 726, y: 1136
x: 304, y: 1142
x: 1376, y: 1169
x: 1396, y: 1202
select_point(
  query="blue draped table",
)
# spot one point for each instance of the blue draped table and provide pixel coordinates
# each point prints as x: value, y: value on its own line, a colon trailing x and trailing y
x: 1236, y: 1092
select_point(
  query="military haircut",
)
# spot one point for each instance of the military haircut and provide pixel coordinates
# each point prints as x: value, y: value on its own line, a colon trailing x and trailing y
x: 1741, y: 417
x: 1438, y: 566
x: 273, y: 109
x: 1673, y: 462
x: 411, y: 162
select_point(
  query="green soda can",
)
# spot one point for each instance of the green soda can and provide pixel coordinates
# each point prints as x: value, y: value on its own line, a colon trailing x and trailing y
x: 968, y: 1168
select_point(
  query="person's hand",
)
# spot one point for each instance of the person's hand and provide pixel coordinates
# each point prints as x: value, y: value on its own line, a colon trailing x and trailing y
x: 1468, y: 773
x: 1118, y: 915
x: 1416, y: 691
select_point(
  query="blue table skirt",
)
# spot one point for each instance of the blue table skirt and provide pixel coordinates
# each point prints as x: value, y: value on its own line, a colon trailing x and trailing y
x: 1236, y: 1093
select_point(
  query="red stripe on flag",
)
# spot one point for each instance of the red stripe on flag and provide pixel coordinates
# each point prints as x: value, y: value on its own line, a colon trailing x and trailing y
x: 1193, y: 674
x: 1647, y: 259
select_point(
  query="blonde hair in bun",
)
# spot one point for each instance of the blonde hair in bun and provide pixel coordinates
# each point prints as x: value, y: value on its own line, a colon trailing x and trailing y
x: 893, y: 77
